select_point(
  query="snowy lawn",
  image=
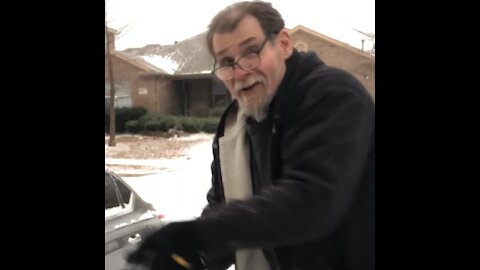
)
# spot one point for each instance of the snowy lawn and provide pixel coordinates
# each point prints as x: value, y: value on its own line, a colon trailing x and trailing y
x: 176, y: 187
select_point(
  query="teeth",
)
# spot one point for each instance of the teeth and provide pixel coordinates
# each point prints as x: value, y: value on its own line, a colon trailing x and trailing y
x: 249, y: 86
x: 249, y: 82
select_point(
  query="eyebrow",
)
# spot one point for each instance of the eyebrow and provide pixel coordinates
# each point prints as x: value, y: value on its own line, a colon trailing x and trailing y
x: 242, y: 44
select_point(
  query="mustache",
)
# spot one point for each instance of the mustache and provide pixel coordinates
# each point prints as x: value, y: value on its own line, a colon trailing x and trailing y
x: 249, y: 81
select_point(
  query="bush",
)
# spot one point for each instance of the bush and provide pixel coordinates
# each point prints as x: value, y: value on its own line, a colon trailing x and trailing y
x: 122, y: 116
x: 209, y: 125
x: 133, y: 126
x: 197, y: 124
x: 150, y: 116
x: 191, y: 124
x: 153, y: 125
x: 217, y: 111
x: 158, y: 122
x: 171, y: 122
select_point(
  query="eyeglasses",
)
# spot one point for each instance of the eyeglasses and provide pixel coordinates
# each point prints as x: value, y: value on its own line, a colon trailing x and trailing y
x: 246, y: 62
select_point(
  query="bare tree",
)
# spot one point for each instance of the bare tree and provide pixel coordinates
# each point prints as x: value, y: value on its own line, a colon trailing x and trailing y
x: 109, y: 48
x: 111, y: 141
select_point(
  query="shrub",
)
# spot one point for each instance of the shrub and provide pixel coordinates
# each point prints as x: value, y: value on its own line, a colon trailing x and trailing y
x: 133, y: 126
x: 171, y: 122
x: 123, y: 115
x: 157, y: 122
x: 191, y: 124
x: 217, y: 111
x: 209, y: 125
x: 161, y: 122
x: 197, y: 124
x: 153, y: 125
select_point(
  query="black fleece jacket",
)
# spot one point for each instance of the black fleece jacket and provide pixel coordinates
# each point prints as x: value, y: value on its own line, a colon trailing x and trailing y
x: 313, y: 173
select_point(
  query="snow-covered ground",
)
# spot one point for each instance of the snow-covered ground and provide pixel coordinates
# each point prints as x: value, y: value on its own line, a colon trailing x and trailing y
x: 178, y: 188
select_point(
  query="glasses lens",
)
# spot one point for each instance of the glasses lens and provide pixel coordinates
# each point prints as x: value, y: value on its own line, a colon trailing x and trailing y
x: 246, y: 62
x: 249, y: 61
x: 224, y: 73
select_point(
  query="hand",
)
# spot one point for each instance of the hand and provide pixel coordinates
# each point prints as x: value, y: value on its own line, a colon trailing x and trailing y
x: 174, y: 247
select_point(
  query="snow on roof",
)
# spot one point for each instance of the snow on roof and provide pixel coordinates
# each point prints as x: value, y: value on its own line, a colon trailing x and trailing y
x: 165, y: 63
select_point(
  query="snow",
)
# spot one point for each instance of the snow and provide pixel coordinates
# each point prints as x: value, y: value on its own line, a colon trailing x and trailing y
x: 178, y: 189
x: 178, y: 192
x: 165, y: 63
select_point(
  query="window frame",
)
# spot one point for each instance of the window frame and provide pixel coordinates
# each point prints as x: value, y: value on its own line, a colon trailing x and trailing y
x: 123, y: 207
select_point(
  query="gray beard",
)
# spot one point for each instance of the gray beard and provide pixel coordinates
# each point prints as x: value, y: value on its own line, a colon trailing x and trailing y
x: 258, y: 113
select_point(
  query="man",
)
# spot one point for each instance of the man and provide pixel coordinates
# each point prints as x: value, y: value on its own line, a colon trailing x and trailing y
x: 293, y: 175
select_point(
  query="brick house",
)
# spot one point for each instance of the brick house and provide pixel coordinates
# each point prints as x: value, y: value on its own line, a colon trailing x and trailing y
x: 126, y: 68
x: 176, y: 79
x: 337, y: 54
x: 187, y: 87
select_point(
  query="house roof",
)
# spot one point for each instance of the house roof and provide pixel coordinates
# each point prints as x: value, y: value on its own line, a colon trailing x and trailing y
x: 331, y: 40
x: 189, y: 56
x: 146, y: 50
x: 137, y: 61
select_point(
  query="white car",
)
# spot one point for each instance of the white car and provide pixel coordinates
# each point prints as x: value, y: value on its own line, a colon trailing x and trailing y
x: 128, y: 219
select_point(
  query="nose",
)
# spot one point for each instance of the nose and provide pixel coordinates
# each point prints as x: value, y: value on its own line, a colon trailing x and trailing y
x: 239, y: 73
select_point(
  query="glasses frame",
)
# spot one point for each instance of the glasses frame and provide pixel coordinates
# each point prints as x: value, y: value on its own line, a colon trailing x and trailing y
x: 237, y: 63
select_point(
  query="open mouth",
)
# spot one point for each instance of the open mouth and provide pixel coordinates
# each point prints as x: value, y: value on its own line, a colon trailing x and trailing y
x: 249, y: 87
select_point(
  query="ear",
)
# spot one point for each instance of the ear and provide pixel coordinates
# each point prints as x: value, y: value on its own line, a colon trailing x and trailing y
x: 285, y: 43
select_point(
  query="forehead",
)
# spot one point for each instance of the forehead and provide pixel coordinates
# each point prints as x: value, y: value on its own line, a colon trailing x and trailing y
x: 247, y: 28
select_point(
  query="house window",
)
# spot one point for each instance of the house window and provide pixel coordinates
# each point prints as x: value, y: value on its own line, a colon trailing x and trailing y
x: 142, y: 91
x: 221, y: 96
x: 301, y: 46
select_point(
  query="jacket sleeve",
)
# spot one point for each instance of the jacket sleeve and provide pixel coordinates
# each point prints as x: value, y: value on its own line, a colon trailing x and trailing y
x: 324, y: 144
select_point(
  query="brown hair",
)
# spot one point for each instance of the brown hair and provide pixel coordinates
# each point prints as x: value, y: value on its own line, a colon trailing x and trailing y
x: 227, y: 19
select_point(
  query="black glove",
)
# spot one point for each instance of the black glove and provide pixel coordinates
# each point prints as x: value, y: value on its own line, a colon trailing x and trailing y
x: 174, y: 247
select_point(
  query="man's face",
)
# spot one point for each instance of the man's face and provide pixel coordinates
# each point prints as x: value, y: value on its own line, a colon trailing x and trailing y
x: 254, y: 89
